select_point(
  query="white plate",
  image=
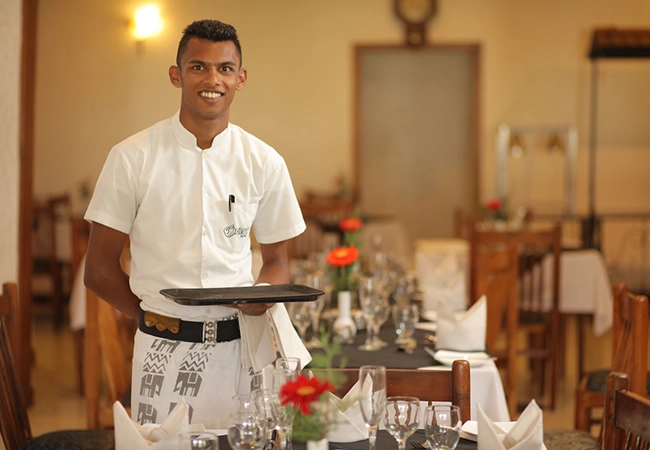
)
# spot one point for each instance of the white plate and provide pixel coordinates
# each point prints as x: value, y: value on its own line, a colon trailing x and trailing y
x: 430, y: 315
x: 471, y: 427
x: 447, y: 357
x: 427, y: 326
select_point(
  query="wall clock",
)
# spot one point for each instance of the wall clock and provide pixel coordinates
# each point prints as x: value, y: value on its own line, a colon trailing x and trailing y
x: 415, y: 14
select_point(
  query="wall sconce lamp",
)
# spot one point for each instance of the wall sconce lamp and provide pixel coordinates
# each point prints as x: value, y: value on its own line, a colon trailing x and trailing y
x: 516, y: 145
x: 147, y: 22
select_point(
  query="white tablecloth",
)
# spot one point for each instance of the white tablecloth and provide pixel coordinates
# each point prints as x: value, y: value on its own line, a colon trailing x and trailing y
x: 486, y: 390
x: 443, y: 270
x: 585, y: 287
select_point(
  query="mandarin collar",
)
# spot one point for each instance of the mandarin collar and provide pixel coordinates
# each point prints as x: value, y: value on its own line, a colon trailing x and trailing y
x: 188, y: 140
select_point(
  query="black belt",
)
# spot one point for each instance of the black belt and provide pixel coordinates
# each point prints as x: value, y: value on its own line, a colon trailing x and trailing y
x: 210, y: 331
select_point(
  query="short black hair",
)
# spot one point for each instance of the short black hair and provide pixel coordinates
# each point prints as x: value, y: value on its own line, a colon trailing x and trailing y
x: 212, y: 30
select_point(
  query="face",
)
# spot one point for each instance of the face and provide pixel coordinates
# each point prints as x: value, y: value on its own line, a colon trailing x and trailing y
x: 209, y: 76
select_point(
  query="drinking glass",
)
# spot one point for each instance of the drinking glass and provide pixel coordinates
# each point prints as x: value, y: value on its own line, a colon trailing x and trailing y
x: 199, y: 441
x: 317, y: 281
x: 246, y: 431
x: 284, y: 416
x: 263, y: 400
x: 370, y: 301
x: 383, y: 312
x: 442, y: 426
x: 401, y: 418
x: 300, y: 317
x: 290, y: 365
x: 241, y: 403
x: 405, y: 317
x: 373, y: 380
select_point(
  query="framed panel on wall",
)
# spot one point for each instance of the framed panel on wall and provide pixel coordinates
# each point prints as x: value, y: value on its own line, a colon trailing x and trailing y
x: 417, y: 128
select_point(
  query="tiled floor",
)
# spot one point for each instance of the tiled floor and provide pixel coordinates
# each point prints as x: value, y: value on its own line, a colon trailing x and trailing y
x: 58, y: 405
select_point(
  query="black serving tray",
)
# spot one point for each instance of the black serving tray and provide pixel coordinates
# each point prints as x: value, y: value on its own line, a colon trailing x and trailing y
x: 276, y: 293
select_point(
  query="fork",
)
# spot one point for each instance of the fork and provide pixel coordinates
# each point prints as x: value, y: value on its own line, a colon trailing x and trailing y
x: 419, y: 445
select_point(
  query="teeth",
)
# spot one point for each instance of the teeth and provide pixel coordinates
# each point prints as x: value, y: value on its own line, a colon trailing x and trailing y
x: 210, y: 94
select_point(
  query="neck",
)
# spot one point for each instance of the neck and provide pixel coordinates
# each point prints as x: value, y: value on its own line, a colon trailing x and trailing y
x: 205, y: 130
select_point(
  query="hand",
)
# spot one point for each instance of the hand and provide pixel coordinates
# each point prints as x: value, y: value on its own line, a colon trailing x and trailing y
x: 252, y: 309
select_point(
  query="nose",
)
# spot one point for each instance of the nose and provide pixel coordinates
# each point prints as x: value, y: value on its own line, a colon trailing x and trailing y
x: 213, y: 76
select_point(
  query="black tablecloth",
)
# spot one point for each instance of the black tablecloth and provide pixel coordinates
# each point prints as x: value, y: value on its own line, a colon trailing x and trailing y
x: 390, y: 356
x: 384, y: 442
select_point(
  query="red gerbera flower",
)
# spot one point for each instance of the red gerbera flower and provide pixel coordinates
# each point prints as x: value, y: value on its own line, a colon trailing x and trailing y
x: 303, y: 391
x: 351, y: 224
x: 343, y: 256
x: 493, y: 205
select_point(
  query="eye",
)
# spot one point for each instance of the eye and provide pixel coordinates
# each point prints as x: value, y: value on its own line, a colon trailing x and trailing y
x: 197, y: 67
x: 226, y: 69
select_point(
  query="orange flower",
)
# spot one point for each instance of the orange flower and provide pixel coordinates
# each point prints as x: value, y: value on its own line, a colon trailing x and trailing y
x: 343, y: 256
x: 303, y: 391
x: 351, y: 224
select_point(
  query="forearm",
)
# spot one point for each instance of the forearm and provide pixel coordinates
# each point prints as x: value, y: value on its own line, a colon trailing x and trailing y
x: 114, y: 288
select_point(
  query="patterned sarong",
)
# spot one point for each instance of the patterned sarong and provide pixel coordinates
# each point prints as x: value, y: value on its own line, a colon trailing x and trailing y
x: 206, y: 375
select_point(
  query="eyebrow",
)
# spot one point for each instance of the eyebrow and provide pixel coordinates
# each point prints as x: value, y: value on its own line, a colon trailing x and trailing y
x: 204, y: 63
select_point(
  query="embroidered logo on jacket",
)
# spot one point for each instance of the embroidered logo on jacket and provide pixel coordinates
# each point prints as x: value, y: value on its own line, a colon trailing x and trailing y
x: 232, y: 230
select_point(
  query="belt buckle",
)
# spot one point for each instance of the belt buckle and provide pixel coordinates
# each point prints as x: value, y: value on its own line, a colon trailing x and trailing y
x: 210, y: 331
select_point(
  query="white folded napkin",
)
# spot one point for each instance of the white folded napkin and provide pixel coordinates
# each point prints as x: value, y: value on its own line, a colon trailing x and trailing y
x: 165, y: 436
x: 258, y: 333
x: 526, y: 434
x: 464, y: 331
x: 348, y: 424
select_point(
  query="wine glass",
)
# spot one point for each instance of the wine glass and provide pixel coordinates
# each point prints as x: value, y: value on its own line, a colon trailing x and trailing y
x: 442, y: 426
x: 370, y: 304
x: 381, y: 316
x: 401, y: 418
x: 373, y: 380
x: 300, y: 317
x: 246, y: 431
x: 405, y: 316
x: 263, y: 400
x: 204, y: 440
x: 241, y: 403
x: 316, y: 281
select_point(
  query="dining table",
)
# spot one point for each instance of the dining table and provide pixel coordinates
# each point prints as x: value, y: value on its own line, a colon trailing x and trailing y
x: 486, y: 388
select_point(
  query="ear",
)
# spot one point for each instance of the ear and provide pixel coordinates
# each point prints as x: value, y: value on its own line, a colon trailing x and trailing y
x: 241, y: 81
x: 175, y: 76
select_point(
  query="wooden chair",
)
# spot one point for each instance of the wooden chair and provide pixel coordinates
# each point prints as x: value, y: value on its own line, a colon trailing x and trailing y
x: 629, y: 355
x: 14, y: 422
x: 107, y: 358
x: 496, y: 277
x: 539, y: 320
x: 46, y: 252
x: 626, y: 421
x: 108, y: 352
x: 427, y: 385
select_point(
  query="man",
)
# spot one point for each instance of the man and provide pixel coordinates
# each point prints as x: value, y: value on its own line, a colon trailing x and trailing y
x: 187, y: 192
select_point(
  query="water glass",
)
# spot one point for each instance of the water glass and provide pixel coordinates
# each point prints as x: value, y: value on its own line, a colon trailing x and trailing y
x: 198, y: 441
x: 401, y: 418
x: 442, y: 426
x: 405, y: 317
x: 247, y: 431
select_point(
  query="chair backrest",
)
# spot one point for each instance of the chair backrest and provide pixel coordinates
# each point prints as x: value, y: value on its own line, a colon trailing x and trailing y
x: 105, y: 358
x: 630, y: 337
x: 14, y: 422
x: 496, y: 277
x: 427, y: 385
x: 626, y: 419
x: 108, y: 351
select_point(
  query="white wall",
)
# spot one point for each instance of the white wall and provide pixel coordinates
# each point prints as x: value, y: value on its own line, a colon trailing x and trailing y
x: 10, y: 39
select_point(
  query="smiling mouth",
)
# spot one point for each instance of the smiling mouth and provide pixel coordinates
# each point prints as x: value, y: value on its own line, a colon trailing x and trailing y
x: 210, y: 94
